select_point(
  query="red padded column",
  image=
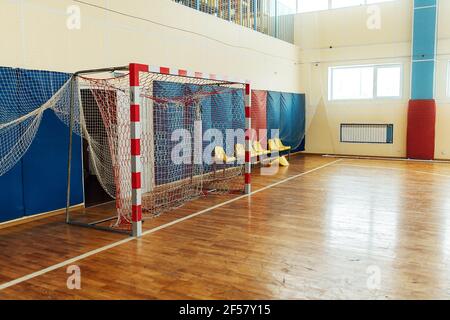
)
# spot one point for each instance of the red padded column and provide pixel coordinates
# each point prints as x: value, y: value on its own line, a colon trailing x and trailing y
x: 421, y: 129
x: 259, y: 114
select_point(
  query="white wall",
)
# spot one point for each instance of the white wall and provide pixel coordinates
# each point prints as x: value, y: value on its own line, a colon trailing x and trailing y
x: 352, y: 42
x: 443, y: 101
x: 37, y: 38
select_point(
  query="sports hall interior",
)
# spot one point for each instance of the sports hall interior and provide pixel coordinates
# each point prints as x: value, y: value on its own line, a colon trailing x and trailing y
x: 354, y: 205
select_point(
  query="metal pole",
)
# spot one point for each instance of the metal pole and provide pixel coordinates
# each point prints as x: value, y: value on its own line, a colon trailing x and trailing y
x: 229, y: 10
x: 241, y: 19
x: 255, y: 12
x: 122, y: 68
x: 276, y: 18
x: 69, y: 161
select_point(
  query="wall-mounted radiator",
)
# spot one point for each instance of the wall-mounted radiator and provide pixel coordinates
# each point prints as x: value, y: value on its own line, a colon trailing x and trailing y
x: 367, y: 133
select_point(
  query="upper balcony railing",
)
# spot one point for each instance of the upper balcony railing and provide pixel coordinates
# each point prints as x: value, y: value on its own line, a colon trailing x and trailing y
x: 272, y: 17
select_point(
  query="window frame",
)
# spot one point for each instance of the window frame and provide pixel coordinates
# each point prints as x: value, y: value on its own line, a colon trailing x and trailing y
x: 375, y: 81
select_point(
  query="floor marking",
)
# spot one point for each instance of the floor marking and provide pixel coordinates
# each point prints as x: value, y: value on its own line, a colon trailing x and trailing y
x: 398, y: 169
x: 235, y: 199
x: 118, y: 243
x: 383, y: 159
x: 63, y: 264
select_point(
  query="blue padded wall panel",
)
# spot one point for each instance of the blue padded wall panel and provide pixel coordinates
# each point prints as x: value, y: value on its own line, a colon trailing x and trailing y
x: 424, y: 32
x: 8, y: 94
x: 238, y: 109
x: 424, y: 3
x: 299, y: 122
x: 38, y: 182
x: 222, y: 111
x: 422, y: 80
x: 286, y: 112
x: 45, y: 168
x: 292, y: 130
x: 286, y: 118
x: 273, y: 111
x: 303, y: 112
x: 11, y: 197
x: 424, y: 49
x: 167, y: 118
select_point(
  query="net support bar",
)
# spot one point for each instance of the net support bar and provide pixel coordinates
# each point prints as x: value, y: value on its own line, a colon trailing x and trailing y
x: 69, y: 156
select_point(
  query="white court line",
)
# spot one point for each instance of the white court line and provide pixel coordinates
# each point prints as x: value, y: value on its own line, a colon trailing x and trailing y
x: 397, y: 169
x: 118, y: 243
x: 383, y: 159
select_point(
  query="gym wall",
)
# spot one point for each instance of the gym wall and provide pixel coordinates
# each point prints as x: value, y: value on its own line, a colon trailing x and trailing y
x: 113, y: 33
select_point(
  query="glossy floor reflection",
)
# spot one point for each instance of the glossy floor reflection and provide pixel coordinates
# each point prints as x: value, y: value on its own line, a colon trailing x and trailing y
x: 359, y: 229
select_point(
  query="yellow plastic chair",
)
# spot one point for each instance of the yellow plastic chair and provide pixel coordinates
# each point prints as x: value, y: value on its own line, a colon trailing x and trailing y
x: 240, y: 151
x: 259, y: 149
x: 280, y: 145
x: 281, y: 161
x: 272, y: 145
x: 221, y: 157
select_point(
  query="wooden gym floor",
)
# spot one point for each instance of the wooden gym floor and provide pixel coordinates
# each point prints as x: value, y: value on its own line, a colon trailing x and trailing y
x: 322, y: 228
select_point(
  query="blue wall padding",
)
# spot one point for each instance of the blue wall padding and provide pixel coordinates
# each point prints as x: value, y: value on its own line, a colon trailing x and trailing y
x: 422, y: 80
x: 221, y: 111
x: 273, y: 112
x: 45, y: 168
x: 8, y: 94
x: 299, y: 122
x: 424, y: 32
x: 167, y: 118
x: 11, y: 197
x: 424, y: 3
x: 424, y: 49
x: 238, y: 109
x: 38, y: 182
x: 286, y: 112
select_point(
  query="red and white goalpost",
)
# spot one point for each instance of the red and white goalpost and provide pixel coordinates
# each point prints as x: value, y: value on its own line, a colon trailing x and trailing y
x: 146, y: 128
x: 135, y: 130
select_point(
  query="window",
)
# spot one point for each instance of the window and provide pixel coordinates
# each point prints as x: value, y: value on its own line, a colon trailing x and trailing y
x: 365, y: 82
x: 389, y: 79
x: 317, y: 5
x: 346, y: 3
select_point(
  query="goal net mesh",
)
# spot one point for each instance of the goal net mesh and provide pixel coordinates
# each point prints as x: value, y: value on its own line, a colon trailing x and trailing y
x: 24, y: 98
x: 192, y: 140
x: 192, y: 135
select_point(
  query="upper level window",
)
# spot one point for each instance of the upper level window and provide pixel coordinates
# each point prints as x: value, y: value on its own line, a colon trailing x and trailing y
x: 346, y: 3
x: 317, y: 5
x: 365, y: 82
x: 312, y: 5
